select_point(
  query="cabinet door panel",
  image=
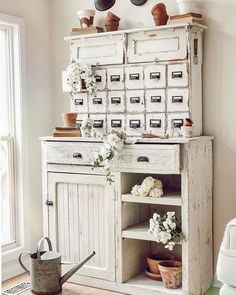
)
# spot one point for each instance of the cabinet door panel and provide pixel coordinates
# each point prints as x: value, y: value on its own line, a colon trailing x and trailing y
x: 82, y: 220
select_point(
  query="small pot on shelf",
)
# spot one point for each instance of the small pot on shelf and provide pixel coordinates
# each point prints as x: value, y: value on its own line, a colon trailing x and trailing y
x: 112, y: 22
x: 160, y: 15
x: 188, y: 6
x: 154, y: 260
x: 69, y: 119
x: 187, y: 128
x: 86, y: 18
x: 171, y: 274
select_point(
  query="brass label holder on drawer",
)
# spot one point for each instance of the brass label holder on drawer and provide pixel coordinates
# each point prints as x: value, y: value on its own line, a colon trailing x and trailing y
x: 116, y: 123
x: 177, y: 74
x: 98, y: 124
x: 155, y: 98
x: 115, y: 78
x: 134, y: 76
x: 177, y: 123
x: 134, y: 124
x: 135, y: 99
x: 177, y: 99
x: 155, y: 75
x: 97, y: 100
x: 115, y: 100
x: 155, y: 123
x: 98, y: 79
x: 78, y: 101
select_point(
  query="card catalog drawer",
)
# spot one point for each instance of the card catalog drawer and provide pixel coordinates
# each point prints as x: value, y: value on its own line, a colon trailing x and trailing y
x: 101, y: 79
x: 65, y: 86
x: 79, y: 103
x: 115, y: 79
x: 177, y: 100
x: 175, y: 122
x: 98, y: 104
x: 157, y: 44
x: 155, y: 100
x: 162, y: 159
x: 116, y: 101
x: 134, y: 78
x: 71, y: 152
x: 100, y: 49
x: 156, y: 122
x: 99, y: 123
x: 178, y: 75
x: 135, y: 101
x: 155, y: 76
x: 135, y: 124
x: 115, y: 122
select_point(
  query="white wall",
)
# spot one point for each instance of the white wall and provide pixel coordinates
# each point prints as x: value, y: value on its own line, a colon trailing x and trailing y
x: 219, y: 82
x: 37, y: 101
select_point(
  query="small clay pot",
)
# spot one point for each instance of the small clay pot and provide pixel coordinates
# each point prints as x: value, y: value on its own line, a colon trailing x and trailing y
x: 69, y: 119
x: 112, y: 22
x: 113, y: 27
x: 161, y: 20
x: 158, y: 8
x: 160, y: 15
x: 112, y: 16
x: 154, y: 260
x: 171, y: 274
x: 86, y: 18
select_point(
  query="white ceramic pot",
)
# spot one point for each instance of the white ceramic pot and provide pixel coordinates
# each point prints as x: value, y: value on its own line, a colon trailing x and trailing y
x: 187, y: 131
x: 187, y: 6
x: 86, y: 17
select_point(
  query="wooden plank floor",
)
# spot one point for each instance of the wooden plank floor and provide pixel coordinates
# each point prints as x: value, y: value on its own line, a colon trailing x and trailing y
x: 74, y: 289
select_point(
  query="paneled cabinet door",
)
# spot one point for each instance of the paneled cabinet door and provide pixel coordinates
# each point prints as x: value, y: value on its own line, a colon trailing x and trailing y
x: 81, y: 220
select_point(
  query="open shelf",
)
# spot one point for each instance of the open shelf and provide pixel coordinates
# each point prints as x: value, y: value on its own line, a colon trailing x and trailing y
x: 138, y: 232
x: 171, y: 198
x: 142, y: 281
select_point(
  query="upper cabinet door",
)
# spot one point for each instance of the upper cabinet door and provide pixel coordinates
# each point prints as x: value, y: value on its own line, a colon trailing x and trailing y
x: 162, y: 45
x: 104, y: 50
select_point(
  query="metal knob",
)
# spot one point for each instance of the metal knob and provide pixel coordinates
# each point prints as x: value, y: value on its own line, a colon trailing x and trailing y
x: 143, y: 159
x: 49, y: 203
x: 77, y: 156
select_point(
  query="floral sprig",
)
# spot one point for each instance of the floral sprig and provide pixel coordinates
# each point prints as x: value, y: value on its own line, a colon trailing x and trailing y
x: 76, y: 73
x: 150, y: 187
x: 166, y: 229
x: 113, y: 143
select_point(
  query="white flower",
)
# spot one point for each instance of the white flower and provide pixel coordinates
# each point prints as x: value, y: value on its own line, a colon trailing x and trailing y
x: 156, y: 216
x: 164, y: 237
x: 170, y: 214
x: 113, y: 140
x: 136, y: 191
x: 96, y: 156
x: 104, y: 152
x: 156, y: 192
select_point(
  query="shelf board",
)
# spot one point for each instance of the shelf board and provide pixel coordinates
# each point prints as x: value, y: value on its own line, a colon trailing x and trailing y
x: 171, y: 198
x: 143, y: 282
x: 138, y: 232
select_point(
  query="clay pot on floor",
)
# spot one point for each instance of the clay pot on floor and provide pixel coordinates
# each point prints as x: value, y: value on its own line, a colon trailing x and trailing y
x: 69, y: 119
x: 160, y: 15
x: 112, y: 22
x: 154, y: 260
x: 171, y: 274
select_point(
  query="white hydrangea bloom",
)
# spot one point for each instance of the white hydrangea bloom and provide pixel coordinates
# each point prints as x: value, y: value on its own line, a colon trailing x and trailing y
x: 136, y: 191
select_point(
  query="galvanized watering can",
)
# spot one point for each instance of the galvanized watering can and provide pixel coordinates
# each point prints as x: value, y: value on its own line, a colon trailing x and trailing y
x: 45, y: 269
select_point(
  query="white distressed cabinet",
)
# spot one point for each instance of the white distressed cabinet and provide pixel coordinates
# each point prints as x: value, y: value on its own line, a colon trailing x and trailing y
x: 82, y: 212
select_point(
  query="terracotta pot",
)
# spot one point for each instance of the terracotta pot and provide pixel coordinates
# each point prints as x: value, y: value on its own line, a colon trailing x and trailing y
x: 159, y: 14
x: 112, y: 22
x: 158, y: 8
x: 86, y: 18
x: 154, y: 260
x: 171, y: 273
x: 112, y: 16
x: 110, y: 28
x: 69, y: 119
x: 161, y: 21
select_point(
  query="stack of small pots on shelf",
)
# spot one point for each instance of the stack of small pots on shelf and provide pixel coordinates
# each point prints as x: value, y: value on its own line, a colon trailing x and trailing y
x: 163, y: 267
x: 112, y: 22
x: 160, y: 15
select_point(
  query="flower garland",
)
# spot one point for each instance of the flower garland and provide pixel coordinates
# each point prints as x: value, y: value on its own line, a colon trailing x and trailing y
x: 77, y: 72
x: 166, y: 229
x: 112, y: 145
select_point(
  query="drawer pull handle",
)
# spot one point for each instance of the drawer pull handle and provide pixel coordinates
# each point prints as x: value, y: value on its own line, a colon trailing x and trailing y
x: 155, y: 75
x: 143, y: 159
x: 115, y: 100
x: 77, y: 156
x: 134, y: 124
x: 49, y: 203
x: 135, y: 99
x: 78, y: 101
x: 155, y: 123
x: 177, y: 74
x: 177, y: 123
x: 115, y: 78
x: 98, y: 124
x: 98, y: 79
x: 116, y: 123
x: 177, y: 99
x: 155, y: 98
x: 79, y: 123
x: 97, y: 100
x: 134, y: 76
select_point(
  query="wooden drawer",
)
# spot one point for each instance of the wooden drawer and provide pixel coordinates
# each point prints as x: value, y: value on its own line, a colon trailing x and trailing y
x: 104, y: 50
x: 156, y: 122
x: 79, y: 103
x: 157, y: 44
x: 163, y: 159
x: 78, y: 153
x: 178, y: 100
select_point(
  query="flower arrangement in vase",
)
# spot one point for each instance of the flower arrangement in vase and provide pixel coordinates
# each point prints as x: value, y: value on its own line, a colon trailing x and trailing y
x: 166, y: 229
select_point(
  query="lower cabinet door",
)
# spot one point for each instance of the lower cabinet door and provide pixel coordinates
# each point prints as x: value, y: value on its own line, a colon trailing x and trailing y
x: 81, y: 220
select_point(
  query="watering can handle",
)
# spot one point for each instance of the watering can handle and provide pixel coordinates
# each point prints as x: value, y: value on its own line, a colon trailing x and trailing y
x: 40, y: 244
x: 21, y: 263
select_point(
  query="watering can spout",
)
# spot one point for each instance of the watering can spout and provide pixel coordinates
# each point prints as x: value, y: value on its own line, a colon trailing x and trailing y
x: 75, y: 269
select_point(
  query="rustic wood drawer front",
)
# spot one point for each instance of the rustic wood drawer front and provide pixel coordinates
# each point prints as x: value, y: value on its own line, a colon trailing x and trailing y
x: 175, y: 122
x: 116, y: 102
x: 115, y: 79
x: 178, y: 75
x: 135, y: 101
x: 100, y: 123
x: 135, y: 124
x: 134, y: 78
x: 98, y: 104
x: 104, y: 50
x: 177, y: 100
x: 163, y: 159
x: 79, y: 103
x: 162, y: 45
x: 101, y: 79
x: 155, y: 100
x: 78, y: 153
x: 156, y: 122
x: 155, y: 76
x: 116, y: 122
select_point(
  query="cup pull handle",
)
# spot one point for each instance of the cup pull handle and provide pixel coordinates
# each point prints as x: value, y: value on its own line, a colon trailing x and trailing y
x: 143, y: 159
x: 77, y: 156
x: 21, y: 263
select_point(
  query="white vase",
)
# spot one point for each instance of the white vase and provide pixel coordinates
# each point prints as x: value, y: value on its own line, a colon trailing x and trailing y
x: 187, y: 6
x: 187, y: 131
x: 86, y: 18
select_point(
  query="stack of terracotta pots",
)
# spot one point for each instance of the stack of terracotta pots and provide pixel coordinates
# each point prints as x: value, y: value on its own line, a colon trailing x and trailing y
x: 112, y: 22
x: 160, y: 15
